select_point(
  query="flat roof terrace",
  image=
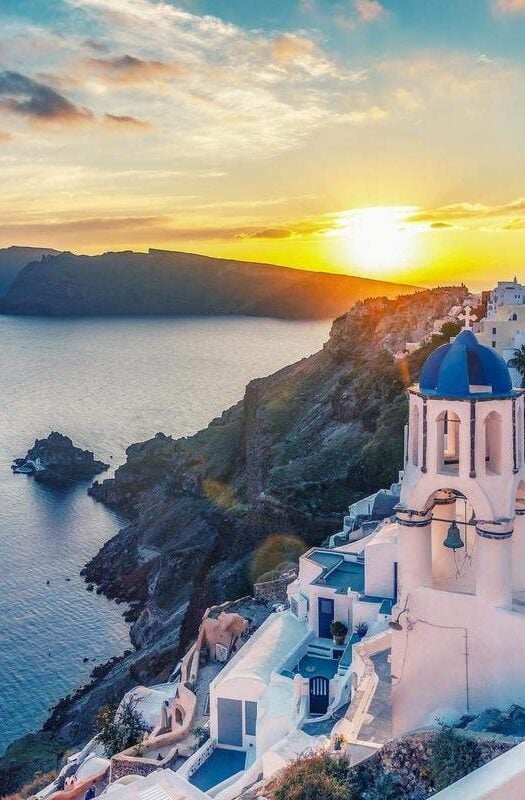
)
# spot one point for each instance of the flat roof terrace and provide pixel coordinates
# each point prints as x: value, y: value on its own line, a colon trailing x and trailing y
x: 338, y: 573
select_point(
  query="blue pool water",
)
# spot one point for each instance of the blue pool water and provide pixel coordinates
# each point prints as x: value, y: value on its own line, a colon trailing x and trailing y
x: 220, y: 765
x: 313, y: 665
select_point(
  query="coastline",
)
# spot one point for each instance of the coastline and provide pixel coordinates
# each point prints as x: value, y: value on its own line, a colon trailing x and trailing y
x: 286, y: 458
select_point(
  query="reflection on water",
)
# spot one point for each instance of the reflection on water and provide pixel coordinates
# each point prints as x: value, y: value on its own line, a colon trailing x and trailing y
x: 105, y: 383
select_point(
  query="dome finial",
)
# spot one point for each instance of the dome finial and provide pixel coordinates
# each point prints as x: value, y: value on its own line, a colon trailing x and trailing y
x: 468, y: 317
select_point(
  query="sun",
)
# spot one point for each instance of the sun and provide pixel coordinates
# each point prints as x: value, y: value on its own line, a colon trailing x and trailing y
x: 379, y: 239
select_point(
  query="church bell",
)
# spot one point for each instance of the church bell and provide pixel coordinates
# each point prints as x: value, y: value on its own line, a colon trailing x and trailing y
x: 453, y: 539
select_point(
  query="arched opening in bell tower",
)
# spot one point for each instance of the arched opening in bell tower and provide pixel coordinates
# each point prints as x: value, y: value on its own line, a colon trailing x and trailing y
x: 448, y: 443
x: 493, y: 434
x: 453, y: 542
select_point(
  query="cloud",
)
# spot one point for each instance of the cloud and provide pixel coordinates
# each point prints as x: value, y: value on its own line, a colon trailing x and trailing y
x: 291, y: 50
x: 505, y: 216
x: 268, y: 233
x: 243, y: 93
x: 369, y: 10
x: 337, y: 224
x: 130, y: 70
x: 124, y: 121
x: 515, y: 225
x: 359, y: 12
x: 36, y: 101
x: 509, y: 6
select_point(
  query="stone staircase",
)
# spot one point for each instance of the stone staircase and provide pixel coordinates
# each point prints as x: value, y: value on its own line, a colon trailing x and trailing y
x: 322, y: 648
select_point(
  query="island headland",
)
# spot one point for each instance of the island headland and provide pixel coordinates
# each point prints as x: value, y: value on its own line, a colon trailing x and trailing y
x: 161, y: 282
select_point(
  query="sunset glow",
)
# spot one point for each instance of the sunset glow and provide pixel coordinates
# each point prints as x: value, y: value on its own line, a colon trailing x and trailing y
x: 331, y: 136
x: 379, y: 242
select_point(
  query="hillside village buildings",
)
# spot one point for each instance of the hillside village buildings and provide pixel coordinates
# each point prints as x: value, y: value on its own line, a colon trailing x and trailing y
x: 431, y: 606
x: 503, y: 328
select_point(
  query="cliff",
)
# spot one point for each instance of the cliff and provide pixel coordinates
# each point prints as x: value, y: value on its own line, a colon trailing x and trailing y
x: 13, y: 259
x: 288, y: 458
x: 162, y: 282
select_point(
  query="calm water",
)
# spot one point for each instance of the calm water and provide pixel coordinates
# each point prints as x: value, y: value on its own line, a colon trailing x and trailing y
x: 106, y: 384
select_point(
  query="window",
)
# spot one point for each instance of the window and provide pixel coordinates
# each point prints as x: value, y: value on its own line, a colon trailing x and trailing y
x: 294, y: 608
x: 494, y: 344
x: 493, y: 331
x: 250, y: 717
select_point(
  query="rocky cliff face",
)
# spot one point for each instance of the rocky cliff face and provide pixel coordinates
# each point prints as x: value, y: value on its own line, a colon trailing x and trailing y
x: 288, y: 458
x: 14, y: 259
x: 161, y: 282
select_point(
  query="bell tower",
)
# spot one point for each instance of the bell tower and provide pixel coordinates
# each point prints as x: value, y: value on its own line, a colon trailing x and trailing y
x: 461, y: 548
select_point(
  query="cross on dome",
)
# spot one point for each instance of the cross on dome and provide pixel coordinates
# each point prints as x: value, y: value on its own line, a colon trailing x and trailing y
x: 468, y: 317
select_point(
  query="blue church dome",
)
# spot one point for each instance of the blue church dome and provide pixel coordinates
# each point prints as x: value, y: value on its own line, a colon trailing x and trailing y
x: 465, y: 369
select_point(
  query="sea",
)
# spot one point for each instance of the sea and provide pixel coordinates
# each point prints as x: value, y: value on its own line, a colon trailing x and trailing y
x: 106, y: 383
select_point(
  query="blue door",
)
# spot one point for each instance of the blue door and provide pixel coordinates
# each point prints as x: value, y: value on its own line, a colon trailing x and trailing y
x: 319, y: 691
x: 326, y: 617
x: 229, y: 714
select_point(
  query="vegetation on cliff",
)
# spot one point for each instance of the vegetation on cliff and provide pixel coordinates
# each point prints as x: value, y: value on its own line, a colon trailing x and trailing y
x: 287, y: 459
x: 284, y: 461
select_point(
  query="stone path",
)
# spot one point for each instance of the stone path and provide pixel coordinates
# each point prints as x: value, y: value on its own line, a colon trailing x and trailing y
x: 377, y: 723
x: 369, y: 716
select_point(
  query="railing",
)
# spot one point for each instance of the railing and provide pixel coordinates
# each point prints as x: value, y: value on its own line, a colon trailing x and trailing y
x: 197, y: 759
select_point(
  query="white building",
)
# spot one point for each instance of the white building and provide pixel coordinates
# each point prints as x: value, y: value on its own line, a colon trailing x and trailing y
x: 163, y: 784
x: 506, y: 293
x: 292, y: 672
x: 459, y: 645
x: 364, y: 515
x: 504, y: 331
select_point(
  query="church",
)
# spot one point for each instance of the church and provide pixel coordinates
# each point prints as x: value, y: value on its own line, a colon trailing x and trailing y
x: 458, y: 629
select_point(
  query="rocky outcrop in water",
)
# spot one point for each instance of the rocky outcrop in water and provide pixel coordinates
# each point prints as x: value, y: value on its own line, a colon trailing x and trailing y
x: 56, y: 460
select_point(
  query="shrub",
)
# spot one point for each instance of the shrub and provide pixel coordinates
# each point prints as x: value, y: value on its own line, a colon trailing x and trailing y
x: 316, y: 777
x: 338, y: 629
x: 385, y: 787
x: 453, y: 757
x: 39, y: 782
x: 201, y: 734
x: 276, y: 550
x: 372, y: 783
x: 119, y: 732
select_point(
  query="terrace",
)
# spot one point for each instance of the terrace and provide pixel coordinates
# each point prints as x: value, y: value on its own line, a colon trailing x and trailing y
x: 338, y: 572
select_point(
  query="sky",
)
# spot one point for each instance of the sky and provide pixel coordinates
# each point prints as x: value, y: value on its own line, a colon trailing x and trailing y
x: 381, y: 138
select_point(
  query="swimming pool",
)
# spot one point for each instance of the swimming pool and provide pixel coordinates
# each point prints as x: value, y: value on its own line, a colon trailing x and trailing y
x: 221, y: 764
